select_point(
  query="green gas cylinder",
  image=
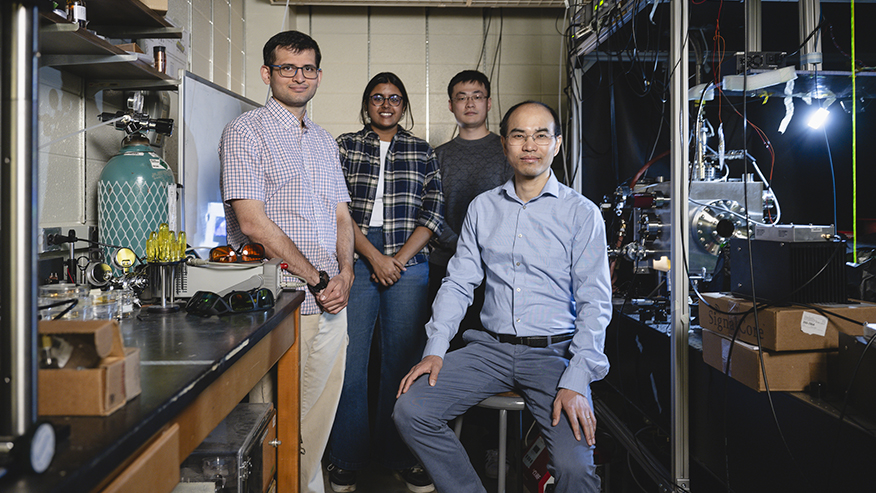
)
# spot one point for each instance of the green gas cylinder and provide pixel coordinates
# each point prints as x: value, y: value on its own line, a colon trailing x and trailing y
x: 132, y: 195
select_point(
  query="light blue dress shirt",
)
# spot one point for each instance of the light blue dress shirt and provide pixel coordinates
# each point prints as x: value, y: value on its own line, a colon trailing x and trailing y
x: 546, y: 271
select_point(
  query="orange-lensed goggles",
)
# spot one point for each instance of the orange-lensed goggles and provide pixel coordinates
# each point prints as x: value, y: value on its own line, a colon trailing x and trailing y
x: 250, y: 252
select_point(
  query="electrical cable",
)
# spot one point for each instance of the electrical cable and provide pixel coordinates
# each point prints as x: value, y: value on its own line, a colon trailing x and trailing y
x: 655, y: 467
x: 856, y: 64
x: 73, y: 302
x: 842, y: 413
x: 832, y: 175
x: 719, y: 40
x: 496, y: 56
x: 756, y: 306
x: 812, y: 33
x: 632, y: 475
x: 482, y: 55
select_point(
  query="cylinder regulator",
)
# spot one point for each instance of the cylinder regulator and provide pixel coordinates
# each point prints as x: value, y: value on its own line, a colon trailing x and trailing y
x: 136, y: 189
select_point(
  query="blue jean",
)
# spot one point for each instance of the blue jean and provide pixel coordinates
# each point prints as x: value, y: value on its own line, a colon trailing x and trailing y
x: 400, y: 313
x: 485, y: 367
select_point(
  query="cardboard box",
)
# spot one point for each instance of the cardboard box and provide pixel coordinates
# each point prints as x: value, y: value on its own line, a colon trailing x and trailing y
x: 132, y: 373
x: 790, y: 328
x: 786, y: 371
x: 92, y: 391
x: 157, y: 6
x: 130, y: 47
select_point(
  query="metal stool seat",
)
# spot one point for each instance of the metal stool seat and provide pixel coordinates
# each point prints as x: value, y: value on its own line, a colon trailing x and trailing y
x: 504, y: 402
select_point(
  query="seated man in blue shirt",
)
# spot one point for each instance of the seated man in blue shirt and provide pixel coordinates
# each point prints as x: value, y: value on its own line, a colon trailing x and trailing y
x: 540, y: 247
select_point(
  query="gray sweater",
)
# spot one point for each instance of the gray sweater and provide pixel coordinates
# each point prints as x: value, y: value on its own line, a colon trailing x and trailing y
x: 468, y: 168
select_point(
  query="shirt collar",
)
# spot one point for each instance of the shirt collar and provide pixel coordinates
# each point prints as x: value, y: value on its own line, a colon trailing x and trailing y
x: 284, y: 116
x: 551, y: 187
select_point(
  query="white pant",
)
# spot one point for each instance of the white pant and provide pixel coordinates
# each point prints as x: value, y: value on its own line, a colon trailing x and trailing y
x: 323, y: 342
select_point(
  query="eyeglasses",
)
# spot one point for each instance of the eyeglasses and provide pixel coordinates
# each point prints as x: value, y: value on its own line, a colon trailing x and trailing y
x: 477, y: 98
x: 250, y: 252
x: 288, y: 70
x: 378, y: 99
x: 540, y: 139
x: 206, y: 303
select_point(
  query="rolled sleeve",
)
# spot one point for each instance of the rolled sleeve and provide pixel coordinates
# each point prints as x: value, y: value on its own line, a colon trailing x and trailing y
x: 432, y: 211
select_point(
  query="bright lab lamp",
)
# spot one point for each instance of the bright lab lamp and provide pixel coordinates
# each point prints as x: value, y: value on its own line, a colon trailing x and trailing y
x: 818, y: 118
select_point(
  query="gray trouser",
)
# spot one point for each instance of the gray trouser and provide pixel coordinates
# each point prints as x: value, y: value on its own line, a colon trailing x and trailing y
x: 485, y: 367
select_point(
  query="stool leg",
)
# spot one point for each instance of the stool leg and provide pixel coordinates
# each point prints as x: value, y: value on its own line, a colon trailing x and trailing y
x: 457, y: 426
x: 518, y: 459
x: 503, y: 442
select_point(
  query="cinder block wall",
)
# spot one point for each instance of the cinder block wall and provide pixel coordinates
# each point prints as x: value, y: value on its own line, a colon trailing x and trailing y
x: 224, y: 39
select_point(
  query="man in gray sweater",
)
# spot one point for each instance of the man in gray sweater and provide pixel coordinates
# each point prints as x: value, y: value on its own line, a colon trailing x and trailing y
x: 471, y: 163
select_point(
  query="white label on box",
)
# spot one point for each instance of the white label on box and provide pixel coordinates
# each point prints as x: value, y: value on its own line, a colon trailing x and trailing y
x: 725, y: 353
x: 813, y: 324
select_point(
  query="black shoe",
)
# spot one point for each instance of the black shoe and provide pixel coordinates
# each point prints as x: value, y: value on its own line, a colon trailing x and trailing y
x: 342, y: 480
x: 417, y: 479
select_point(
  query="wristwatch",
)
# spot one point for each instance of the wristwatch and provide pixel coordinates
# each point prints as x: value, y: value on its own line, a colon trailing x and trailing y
x: 323, y: 282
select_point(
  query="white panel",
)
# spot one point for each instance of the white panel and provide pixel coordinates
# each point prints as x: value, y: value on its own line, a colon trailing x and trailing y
x: 206, y: 110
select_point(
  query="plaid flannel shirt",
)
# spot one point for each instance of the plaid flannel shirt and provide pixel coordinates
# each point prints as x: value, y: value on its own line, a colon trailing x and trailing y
x: 412, y: 191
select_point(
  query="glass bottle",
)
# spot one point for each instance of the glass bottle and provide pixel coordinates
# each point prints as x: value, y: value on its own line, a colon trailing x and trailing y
x: 76, y: 12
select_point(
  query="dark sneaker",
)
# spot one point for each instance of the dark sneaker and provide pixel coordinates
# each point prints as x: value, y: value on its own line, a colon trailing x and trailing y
x: 342, y: 480
x: 491, y: 464
x: 417, y: 479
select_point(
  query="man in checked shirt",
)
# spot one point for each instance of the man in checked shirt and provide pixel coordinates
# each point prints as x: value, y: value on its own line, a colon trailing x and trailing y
x: 540, y: 248
x: 283, y: 187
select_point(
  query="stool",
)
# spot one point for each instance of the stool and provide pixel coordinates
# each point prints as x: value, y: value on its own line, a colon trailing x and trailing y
x: 504, y: 402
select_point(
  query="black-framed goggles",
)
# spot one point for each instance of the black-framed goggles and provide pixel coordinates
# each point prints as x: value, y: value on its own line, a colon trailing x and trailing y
x: 207, y: 303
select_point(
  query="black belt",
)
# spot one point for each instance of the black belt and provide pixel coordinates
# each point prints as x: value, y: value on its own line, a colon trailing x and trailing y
x: 532, y: 341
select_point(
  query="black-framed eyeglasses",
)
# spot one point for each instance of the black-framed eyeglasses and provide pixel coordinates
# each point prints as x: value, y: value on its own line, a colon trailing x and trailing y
x: 207, y: 303
x: 227, y: 254
x: 378, y: 99
x: 540, y: 139
x: 288, y: 70
x: 477, y: 98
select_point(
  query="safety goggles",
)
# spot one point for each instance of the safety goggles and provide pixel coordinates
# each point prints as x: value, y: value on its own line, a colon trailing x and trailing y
x: 206, y: 303
x: 250, y: 252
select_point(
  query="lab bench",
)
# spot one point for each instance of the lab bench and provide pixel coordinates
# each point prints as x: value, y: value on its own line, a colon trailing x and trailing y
x: 193, y: 372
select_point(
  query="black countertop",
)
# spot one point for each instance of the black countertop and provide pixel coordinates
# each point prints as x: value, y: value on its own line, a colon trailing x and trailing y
x: 180, y: 356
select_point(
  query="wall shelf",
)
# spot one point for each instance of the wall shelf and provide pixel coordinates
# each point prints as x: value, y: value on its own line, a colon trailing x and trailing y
x: 128, y: 19
x: 78, y: 51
